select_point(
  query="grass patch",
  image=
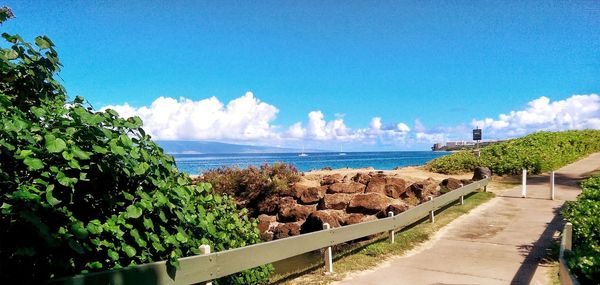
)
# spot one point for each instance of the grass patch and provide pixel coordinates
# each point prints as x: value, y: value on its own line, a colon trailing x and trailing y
x: 370, y: 255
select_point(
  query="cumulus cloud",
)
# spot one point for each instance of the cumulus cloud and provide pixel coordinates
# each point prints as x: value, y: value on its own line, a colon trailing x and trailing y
x: 244, y: 118
x: 575, y: 112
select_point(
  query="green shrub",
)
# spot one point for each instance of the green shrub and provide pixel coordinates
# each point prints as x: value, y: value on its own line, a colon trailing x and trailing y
x: 538, y: 152
x: 584, y: 214
x: 251, y: 185
x: 84, y: 191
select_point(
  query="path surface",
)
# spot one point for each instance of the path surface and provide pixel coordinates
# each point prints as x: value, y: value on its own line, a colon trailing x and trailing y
x: 501, y: 242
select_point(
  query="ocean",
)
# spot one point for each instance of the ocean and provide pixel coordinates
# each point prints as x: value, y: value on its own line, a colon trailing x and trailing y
x: 198, y: 163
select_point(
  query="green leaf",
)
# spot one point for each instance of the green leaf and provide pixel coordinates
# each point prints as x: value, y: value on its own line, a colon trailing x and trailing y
x: 94, y: 227
x: 148, y: 224
x: 79, y: 231
x: 33, y: 163
x: 113, y: 254
x: 54, y: 144
x: 129, y: 250
x: 43, y: 42
x: 133, y: 212
x: 99, y: 149
x: 74, y: 245
x: 49, y: 198
x: 95, y: 265
x: 141, y: 168
x: 83, y: 155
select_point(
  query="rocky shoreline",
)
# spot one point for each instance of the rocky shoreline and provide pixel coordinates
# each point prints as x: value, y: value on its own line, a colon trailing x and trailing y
x: 346, y: 198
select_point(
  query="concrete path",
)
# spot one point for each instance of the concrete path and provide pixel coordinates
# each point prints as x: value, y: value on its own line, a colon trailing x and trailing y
x: 502, y: 242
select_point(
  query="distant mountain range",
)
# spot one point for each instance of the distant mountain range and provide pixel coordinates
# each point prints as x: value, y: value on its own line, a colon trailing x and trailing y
x: 199, y: 147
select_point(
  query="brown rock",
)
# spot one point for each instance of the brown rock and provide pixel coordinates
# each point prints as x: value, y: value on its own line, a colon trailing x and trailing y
x: 422, y: 190
x: 286, y: 230
x: 331, y: 179
x: 368, y: 203
x: 338, y: 201
x: 264, y: 222
x: 376, y: 185
x: 267, y: 236
x: 397, y: 208
x: 466, y: 182
x: 451, y: 183
x: 352, y: 187
x: 394, y: 187
x: 339, y: 215
x: 315, y: 221
x: 311, y: 195
x: 352, y: 219
x: 268, y: 205
x: 362, y: 178
x: 290, y: 211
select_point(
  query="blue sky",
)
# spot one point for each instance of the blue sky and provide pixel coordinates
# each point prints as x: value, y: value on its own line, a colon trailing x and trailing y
x: 435, y: 67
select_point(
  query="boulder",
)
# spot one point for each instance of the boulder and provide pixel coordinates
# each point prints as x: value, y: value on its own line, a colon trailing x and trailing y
x: 267, y: 236
x: 352, y: 187
x: 331, y: 179
x: 352, y: 219
x: 368, y: 203
x: 362, y: 178
x: 422, y: 190
x: 376, y: 185
x: 264, y: 222
x: 481, y: 173
x: 338, y: 201
x: 466, y: 182
x: 394, y: 187
x: 286, y: 230
x: 315, y: 221
x: 397, y: 207
x: 290, y: 211
x: 311, y: 195
x: 268, y: 206
x: 451, y: 183
x: 339, y: 215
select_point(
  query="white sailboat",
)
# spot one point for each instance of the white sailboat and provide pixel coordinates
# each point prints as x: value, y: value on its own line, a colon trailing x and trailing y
x: 302, y: 153
x: 341, y: 151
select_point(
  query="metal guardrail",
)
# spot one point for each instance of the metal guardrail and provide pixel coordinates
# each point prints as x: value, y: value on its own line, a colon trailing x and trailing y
x: 200, y: 268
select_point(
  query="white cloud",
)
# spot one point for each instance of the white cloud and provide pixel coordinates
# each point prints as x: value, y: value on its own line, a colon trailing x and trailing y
x: 575, y: 112
x: 244, y: 118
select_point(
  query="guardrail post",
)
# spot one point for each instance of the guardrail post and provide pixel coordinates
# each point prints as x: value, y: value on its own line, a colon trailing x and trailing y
x: 392, y: 232
x: 552, y: 185
x: 524, y: 183
x: 205, y: 249
x: 328, y: 254
x: 432, y: 212
x: 462, y: 200
x: 568, y: 236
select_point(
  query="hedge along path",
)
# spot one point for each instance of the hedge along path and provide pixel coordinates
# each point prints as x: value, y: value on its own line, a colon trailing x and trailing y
x: 500, y: 244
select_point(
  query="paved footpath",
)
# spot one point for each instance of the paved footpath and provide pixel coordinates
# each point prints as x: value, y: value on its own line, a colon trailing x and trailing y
x: 501, y: 242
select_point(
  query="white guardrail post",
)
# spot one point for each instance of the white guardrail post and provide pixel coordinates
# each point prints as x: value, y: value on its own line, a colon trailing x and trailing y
x: 328, y: 255
x: 205, y: 249
x: 552, y: 185
x: 524, y: 183
x: 432, y: 212
x: 392, y: 232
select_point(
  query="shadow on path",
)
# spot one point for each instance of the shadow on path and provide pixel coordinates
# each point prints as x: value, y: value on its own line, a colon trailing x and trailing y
x: 536, y: 253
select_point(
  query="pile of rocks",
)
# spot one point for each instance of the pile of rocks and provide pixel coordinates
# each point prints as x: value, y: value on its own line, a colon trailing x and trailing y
x: 340, y: 201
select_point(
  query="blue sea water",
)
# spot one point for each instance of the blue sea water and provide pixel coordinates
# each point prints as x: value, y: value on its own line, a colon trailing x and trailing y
x: 198, y: 163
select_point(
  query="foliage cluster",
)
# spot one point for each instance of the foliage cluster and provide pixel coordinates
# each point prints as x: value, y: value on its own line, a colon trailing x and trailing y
x: 584, y: 214
x: 538, y: 152
x: 84, y: 191
x: 252, y: 184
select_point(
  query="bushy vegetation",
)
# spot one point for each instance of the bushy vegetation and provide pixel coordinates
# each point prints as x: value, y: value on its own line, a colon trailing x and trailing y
x: 584, y: 214
x: 251, y: 185
x: 538, y: 152
x: 83, y: 191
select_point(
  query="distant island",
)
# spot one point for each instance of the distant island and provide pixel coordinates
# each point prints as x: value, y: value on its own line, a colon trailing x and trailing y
x: 202, y: 147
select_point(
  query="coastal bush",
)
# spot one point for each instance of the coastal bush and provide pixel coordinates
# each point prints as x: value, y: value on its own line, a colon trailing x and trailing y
x: 84, y: 191
x: 252, y: 184
x: 584, y: 214
x: 538, y: 152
